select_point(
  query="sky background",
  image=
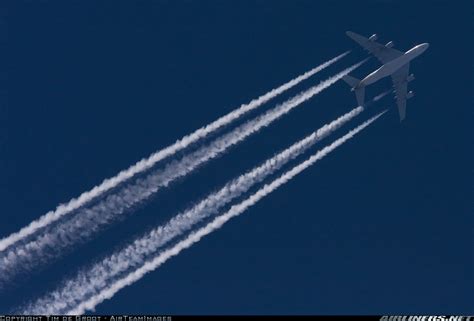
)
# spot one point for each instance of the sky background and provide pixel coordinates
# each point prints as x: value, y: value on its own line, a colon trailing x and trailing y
x: 382, y: 225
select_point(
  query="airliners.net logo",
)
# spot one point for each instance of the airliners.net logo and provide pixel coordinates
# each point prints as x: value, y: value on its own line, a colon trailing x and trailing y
x: 426, y: 318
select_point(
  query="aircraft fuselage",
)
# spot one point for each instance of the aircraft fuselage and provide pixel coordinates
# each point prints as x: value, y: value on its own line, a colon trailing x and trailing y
x: 393, y: 65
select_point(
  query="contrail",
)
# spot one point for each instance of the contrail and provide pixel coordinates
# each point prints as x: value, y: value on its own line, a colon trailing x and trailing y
x: 144, y: 164
x: 381, y: 95
x: 54, y: 240
x: 100, y: 275
x: 60, y: 301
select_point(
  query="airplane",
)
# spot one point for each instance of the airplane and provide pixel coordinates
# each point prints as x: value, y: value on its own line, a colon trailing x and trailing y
x: 395, y: 63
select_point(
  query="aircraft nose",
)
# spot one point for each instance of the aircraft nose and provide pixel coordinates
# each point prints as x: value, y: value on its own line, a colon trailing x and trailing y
x: 422, y: 47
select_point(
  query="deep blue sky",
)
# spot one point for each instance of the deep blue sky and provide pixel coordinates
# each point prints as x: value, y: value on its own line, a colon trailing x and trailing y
x: 382, y: 225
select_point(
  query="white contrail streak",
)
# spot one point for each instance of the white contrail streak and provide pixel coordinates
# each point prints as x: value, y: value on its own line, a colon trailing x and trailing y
x: 147, y: 163
x: 55, y: 303
x: 91, y: 281
x: 218, y: 222
x: 89, y: 221
x: 381, y: 95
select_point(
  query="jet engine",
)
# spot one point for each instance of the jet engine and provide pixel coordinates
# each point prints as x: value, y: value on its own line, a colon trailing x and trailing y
x: 373, y: 37
x: 389, y: 44
x: 410, y: 94
x: 411, y: 77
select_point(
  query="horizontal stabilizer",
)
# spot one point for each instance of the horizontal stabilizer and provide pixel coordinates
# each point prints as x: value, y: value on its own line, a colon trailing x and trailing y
x: 360, y: 96
x: 351, y: 81
x: 359, y: 91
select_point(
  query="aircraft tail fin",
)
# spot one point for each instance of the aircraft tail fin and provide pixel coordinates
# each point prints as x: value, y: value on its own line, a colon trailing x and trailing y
x: 359, y: 91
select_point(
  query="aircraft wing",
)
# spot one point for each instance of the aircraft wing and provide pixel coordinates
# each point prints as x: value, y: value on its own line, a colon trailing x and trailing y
x: 381, y: 52
x: 400, y: 85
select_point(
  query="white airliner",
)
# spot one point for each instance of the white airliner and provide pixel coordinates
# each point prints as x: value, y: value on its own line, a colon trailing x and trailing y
x: 395, y: 64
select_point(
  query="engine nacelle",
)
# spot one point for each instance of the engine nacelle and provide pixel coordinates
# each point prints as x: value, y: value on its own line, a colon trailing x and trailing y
x: 411, y: 77
x: 389, y: 44
x: 410, y: 94
x: 373, y: 37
